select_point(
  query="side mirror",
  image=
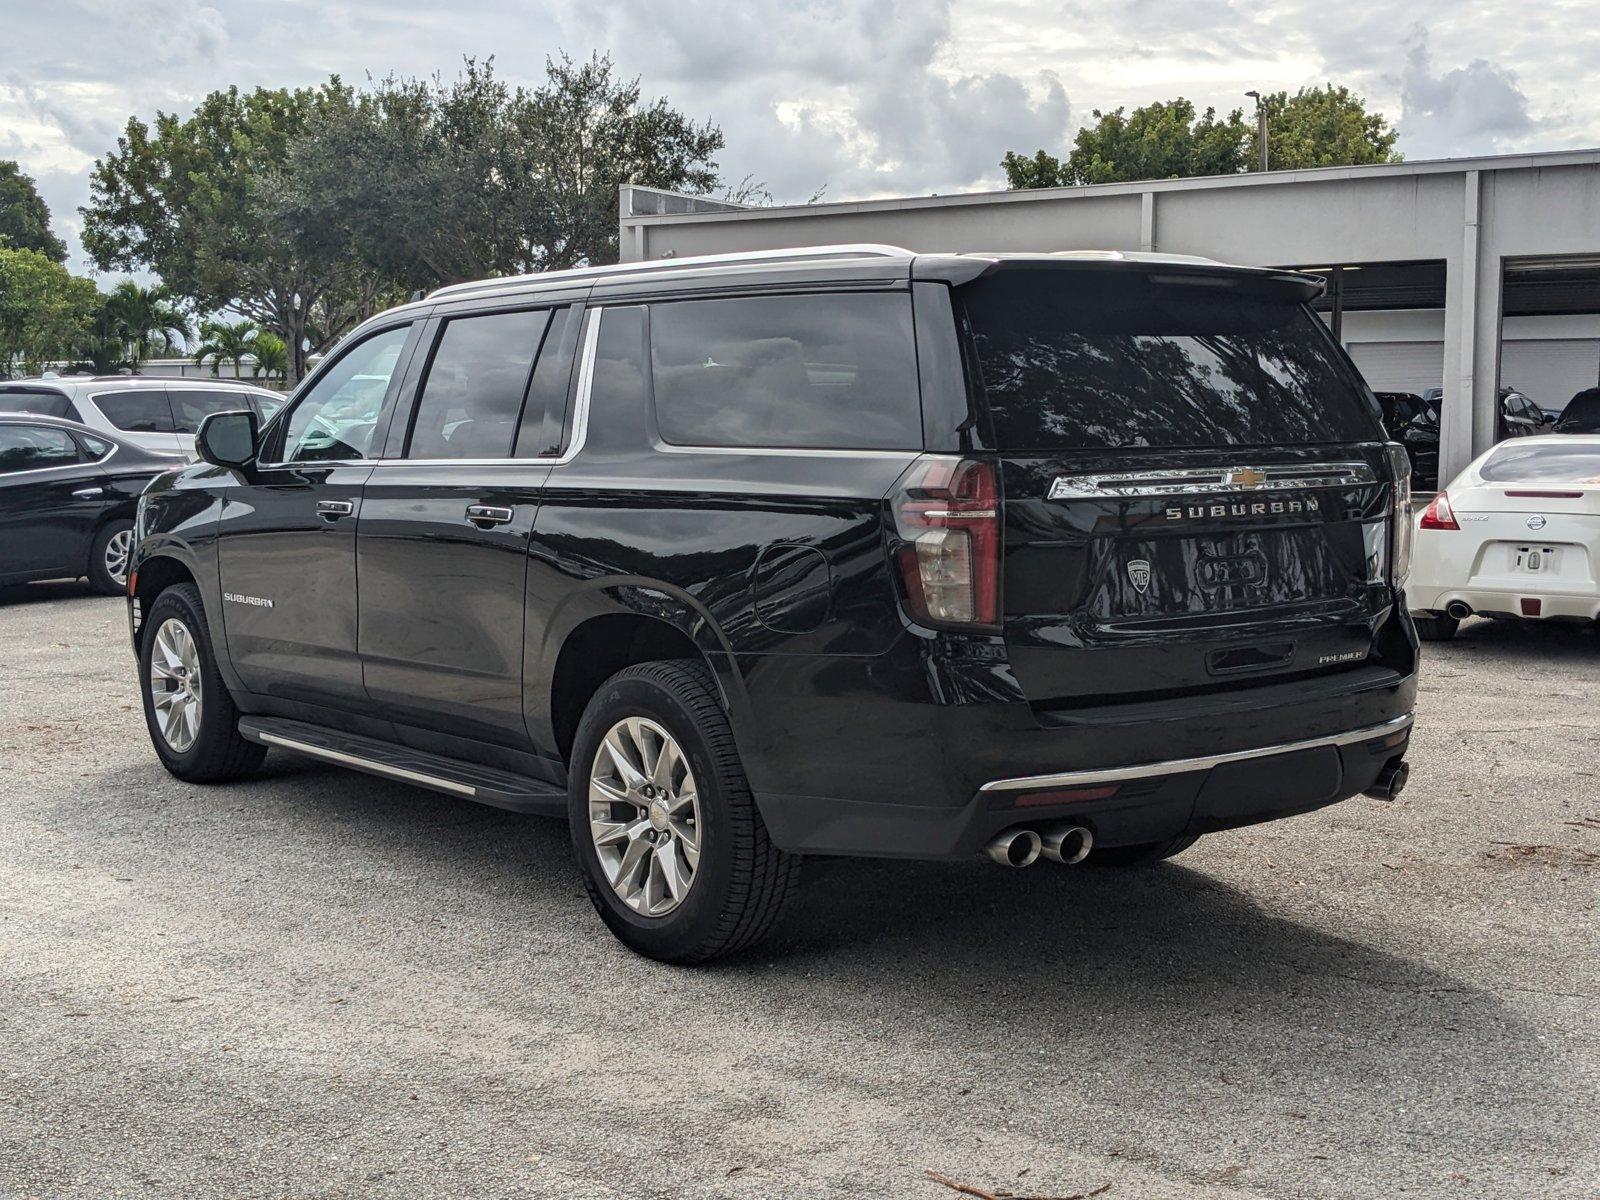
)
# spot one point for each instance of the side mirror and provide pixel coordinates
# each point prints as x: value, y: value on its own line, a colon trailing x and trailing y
x: 228, y: 439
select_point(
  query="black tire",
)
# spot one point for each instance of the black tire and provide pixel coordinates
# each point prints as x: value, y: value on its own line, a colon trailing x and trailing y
x: 100, y: 578
x: 1144, y: 854
x: 218, y: 753
x: 1436, y: 628
x: 742, y: 880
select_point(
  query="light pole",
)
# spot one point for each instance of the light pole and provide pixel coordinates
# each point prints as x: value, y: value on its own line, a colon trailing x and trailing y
x: 1261, y: 126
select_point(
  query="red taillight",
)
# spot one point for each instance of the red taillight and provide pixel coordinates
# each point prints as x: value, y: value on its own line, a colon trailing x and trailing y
x: 1067, y: 796
x: 1438, y: 514
x: 947, y: 513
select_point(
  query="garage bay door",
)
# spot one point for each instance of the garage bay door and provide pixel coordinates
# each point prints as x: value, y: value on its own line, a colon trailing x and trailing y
x: 1549, y: 371
x: 1400, y: 366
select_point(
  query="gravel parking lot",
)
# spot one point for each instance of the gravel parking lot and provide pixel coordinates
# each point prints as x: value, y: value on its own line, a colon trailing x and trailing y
x: 321, y: 984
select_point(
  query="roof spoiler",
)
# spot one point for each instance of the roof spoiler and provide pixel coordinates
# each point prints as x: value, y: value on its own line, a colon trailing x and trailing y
x: 960, y: 269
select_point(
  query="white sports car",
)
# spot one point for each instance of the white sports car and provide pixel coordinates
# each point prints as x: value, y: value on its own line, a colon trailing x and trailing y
x: 1516, y: 534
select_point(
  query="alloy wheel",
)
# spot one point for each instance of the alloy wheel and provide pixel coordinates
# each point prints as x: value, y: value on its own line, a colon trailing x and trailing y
x: 644, y: 816
x: 118, y: 547
x: 175, y: 684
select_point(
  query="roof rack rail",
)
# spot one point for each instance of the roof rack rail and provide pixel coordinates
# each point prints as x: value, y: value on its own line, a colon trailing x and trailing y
x: 796, y: 254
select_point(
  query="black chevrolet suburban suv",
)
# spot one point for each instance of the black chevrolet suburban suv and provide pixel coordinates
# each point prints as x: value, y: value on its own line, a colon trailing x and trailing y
x: 838, y: 551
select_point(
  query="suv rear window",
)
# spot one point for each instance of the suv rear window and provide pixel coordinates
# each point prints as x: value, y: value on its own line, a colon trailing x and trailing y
x: 1548, y: 462
x: 1088, y: 359
x: 833, y: 372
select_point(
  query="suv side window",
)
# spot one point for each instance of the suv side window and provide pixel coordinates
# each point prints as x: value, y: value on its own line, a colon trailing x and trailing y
x: 137, y: 412
x: 35, y: 447
x: 44, y: 404
x: 829, y: 372
x: 335, y: 420
x: 473, y: 391
x: 189, y: 408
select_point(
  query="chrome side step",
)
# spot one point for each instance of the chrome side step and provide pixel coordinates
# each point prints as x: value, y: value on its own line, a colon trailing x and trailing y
x: 1178, y: 766
x: 472, y: 781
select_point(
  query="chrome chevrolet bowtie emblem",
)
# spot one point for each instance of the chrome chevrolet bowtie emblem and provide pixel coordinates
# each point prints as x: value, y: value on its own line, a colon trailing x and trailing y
x: 1139, y: 575
x: 1245, y: 477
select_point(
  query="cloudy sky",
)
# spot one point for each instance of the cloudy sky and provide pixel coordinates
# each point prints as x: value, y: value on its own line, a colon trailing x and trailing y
x: 863, y: 97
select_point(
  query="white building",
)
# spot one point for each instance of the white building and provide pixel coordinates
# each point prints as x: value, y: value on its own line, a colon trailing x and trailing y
x: 1460, y: 273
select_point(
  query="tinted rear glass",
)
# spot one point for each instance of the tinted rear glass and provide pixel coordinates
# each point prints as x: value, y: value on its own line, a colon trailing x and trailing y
x: 1547, y: 463
x: 1092, y: 359
x: 44, y: 404
x: 137, y: 412
x: 836, y: 372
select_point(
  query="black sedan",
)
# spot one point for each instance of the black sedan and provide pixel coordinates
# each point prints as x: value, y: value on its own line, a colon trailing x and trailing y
x: 67, y: 500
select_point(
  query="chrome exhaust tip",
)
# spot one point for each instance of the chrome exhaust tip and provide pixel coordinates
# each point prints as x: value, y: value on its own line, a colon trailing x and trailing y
x: 1390, y: 781
x: 1458, y: 610
x: 1015, y: 848
x: 1067, y: 844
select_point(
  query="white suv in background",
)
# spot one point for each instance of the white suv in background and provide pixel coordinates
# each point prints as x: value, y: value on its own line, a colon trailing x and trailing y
x: 156, y: 414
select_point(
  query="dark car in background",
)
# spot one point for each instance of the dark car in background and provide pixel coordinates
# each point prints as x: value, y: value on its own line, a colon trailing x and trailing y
x: 1413, y: 421
x: 68, y: 495
x: 160, y: 415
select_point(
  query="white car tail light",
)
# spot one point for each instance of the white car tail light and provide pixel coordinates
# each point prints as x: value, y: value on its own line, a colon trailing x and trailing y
x: 947, y: 513
x: 1438, y: 514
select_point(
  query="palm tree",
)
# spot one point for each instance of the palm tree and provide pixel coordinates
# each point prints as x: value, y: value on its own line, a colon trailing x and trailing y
x: 271, y: 353
x: 221, y: 342
x: 146, y: 319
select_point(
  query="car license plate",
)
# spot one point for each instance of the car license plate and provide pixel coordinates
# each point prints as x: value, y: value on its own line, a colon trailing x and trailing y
x: 1534, y: 560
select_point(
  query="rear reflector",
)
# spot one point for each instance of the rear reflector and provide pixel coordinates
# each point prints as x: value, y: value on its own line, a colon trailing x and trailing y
x: 1066, y: 796
x: 1548, y: 495
x: 1532, y: 608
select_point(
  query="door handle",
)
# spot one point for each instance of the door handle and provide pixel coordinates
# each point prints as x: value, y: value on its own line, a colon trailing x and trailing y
x: 332, y: 510
x: 89, y: 493
x: 489, y: 514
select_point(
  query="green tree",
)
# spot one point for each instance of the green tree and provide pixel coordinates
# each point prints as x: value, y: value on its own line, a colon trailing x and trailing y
x: 1041, y: 171
x: 1324, y: 127
x: 24, y: 216
x: 146, y: 320
x: 184, y: 197
x: 428, y: 183
x: 1316, y: 127
x: 227, y: 341
x: 46, y: 313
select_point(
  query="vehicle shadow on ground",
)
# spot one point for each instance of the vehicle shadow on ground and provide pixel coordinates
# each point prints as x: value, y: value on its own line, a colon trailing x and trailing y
x: 1510, y: 641
x: 55, y: 591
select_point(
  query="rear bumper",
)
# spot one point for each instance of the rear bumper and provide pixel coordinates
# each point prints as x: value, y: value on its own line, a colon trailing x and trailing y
x: 1559, y: 604
x: 861, y: 757
x: 1149, y: 802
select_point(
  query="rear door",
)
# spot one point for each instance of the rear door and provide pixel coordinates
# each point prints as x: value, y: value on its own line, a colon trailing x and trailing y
x: 142, y: 415
x: 1194, y: 482
x: 442, y: 540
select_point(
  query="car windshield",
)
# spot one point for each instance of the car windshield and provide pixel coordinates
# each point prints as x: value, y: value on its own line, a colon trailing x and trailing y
x: 1099, y: 360
x: 1548, y: 462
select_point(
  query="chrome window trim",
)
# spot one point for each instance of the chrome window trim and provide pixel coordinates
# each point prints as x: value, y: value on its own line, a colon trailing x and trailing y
x: 1180, y: 766
x: 1139, y: 485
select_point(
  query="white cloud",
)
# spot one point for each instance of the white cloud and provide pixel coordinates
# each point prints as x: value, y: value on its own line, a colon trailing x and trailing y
x: 1475, y: 109
x: 870, y: 97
